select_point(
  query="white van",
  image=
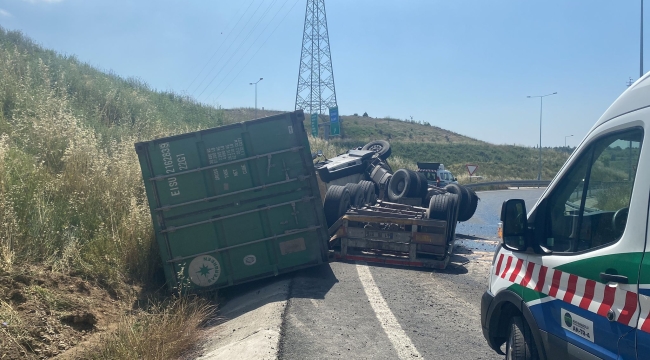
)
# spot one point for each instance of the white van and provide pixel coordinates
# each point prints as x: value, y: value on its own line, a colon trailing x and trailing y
x: 571, y: 279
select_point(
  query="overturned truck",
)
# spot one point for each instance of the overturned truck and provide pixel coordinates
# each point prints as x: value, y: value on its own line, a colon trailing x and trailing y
x: 379, y: 216
x: 245, y: 201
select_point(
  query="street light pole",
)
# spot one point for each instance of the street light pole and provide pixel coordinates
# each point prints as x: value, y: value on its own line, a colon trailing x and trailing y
x: 255, y: 83
x: 541, y: 103
x: 565, y: 139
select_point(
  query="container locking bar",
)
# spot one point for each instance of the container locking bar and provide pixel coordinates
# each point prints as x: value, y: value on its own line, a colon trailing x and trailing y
x: 174, y: 228
x: 168, y: 207
x: 161, y: 177
x: 289, y: 233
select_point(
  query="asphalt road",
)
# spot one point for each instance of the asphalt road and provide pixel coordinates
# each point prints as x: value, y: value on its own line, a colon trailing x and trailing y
x: 355, y: 311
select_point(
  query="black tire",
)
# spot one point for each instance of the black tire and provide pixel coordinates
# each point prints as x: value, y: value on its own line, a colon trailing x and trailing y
x: 402, y: 184
x: 337, y: 202
x: 414, y: 192
x: 357, y: 195
x: 424, y: 185
x: 369, y: 191
x: 463, y: 197
x: 471, y: 208
x: 519, y: 343
x: 439, y: 208
x: 381, y: 147
x: 454, y: 205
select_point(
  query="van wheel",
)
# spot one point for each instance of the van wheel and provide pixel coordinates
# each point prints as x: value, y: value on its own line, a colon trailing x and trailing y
x: 520, y: 344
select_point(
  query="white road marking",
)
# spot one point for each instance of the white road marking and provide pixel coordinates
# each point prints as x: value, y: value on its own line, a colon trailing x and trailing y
x: 401, y: 342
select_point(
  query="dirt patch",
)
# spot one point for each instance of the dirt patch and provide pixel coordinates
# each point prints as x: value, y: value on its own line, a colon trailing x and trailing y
x: 44, y: 314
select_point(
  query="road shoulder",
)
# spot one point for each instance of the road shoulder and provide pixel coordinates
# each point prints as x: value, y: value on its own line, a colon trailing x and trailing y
x: 251, y: 325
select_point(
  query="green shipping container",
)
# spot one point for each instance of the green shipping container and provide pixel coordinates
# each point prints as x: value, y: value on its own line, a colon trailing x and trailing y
x: 234, y: 203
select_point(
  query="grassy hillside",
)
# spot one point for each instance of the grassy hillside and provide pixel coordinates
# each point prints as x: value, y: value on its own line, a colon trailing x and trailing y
x: 366, y: 129
x: 413, y: 142
x: 496, y: 162
x: 74, y: 221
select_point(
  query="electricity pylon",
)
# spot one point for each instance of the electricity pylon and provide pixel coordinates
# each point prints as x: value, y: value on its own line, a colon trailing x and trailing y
x: 316, y: 92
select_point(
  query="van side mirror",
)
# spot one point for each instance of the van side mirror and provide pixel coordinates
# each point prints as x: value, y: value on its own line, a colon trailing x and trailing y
x: 515, y: 225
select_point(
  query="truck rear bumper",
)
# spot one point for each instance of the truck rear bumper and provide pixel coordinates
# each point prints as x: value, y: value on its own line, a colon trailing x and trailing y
x: 378, y: 259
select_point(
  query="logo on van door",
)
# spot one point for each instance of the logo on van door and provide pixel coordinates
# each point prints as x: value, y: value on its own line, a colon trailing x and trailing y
x: 204, y: 270
x: 567, y: 319
x: 578, y: 325
x: 250, y: 260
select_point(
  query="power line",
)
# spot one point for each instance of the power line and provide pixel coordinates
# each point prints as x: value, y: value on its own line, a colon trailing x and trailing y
x: 239, y: 47
x: 231, y: 44
x: 258, y: 50
x: 219, y: 48
x: 247, y: 50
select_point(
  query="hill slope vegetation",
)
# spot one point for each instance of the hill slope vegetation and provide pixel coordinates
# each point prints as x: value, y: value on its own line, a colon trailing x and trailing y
x: 75, y: 229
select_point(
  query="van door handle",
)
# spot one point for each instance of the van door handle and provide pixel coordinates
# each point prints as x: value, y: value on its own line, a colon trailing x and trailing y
x: 621, y: 279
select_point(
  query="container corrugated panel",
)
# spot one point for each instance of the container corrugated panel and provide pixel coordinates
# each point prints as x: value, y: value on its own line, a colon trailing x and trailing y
x: 235, y: 203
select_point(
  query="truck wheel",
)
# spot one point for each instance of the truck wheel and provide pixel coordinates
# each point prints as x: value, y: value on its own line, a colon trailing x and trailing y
x: 402, y: 184
x: 369, y: 191
x: 453, y: 204
x: 520, y: 344
x: 357, y: 197
x: 337, y: 202
x: 424, y: 185
x: 414, y: 192
x: 463, y: 197
x: 471, y: 208
x: 381, y: 147
x: 439, y: 208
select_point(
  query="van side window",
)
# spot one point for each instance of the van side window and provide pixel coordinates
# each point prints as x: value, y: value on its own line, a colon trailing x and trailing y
x: 590, y: 205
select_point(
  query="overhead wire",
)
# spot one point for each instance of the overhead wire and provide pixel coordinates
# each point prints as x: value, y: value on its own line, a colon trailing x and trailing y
x: 229, y: 32
x: 258, y: 50
x: 247, y: 50
x: 239, y: 47
x: 225, y: 52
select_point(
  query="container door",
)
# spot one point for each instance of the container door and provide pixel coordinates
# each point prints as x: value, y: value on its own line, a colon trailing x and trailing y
x: 585, y: 291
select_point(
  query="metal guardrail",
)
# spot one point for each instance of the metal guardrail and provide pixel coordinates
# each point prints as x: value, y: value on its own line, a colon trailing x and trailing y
x: 513, y: 183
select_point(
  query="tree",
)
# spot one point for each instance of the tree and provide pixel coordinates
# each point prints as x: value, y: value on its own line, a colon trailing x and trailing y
x: 365, y: 114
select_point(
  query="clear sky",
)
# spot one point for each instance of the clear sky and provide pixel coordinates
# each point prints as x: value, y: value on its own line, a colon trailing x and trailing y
x: 466, y: 65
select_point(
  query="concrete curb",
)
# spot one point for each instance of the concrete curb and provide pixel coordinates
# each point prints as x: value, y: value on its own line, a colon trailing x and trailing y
x: 252, y: 325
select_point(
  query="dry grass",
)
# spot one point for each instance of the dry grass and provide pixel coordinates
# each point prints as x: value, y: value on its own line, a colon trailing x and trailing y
x: 398, y: 162
x: 165, y: 331
x: 329, y: 149
x: 72, y: 197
